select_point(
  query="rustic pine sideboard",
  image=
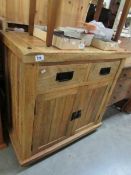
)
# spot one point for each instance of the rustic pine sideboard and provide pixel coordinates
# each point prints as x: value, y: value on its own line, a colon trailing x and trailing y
x: 55, y: 96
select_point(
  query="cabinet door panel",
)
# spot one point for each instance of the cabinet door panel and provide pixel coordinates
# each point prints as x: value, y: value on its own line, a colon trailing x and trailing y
x: 52, y: 118
x: 60, y: 114
x: 90, y: 100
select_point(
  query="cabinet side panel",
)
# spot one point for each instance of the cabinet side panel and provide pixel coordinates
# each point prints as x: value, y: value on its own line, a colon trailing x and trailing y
x: 27, y: 86
x: 21, y: 82
x: 12, y: 88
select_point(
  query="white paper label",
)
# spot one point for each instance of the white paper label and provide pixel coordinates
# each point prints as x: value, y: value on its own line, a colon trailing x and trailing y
x: 82, y: 46
x: 39, y: 58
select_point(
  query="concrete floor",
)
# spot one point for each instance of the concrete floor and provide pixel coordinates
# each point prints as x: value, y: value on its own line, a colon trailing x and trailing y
x: 105, y: 152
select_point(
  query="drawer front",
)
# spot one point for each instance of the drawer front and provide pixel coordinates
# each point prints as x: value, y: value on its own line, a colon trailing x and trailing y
x: 103, y: 71
x: 51, y: 77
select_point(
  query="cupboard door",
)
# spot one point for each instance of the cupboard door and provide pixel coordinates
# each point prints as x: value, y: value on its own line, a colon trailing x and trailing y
x: 52, y: 118
x: 88, y: 102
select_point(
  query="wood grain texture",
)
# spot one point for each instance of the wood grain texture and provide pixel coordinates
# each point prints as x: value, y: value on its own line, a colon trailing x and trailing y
x: 70, y: 13
x: 111, y: 89
x: 97, y: 67
x: 47, y: 76
x: 17, y: 11
x: 21, y: 42
x: 3, y: 8
x: 42, y: 110
x: 89, y: 95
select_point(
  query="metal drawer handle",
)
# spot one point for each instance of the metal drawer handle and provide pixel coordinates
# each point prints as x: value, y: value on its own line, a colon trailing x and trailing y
x: 76, y: 115
x: 105, y: 71
x: 64, y: 76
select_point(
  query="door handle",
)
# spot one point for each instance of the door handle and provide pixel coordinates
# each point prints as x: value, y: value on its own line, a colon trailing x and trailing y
x: 76, y: 115
x: 64, y: 76
x: 105, y: 71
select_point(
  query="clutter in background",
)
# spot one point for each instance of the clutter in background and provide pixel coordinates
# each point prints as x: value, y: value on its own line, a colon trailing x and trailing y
x: 103, y: 37
x: 69, y: 37
x: 102, y: 32
x: 93, y: 33
x: 72, y: 38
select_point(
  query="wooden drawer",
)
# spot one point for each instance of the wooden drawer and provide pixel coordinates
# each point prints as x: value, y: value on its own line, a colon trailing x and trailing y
x: 57, y: 76
x: 103, y: 70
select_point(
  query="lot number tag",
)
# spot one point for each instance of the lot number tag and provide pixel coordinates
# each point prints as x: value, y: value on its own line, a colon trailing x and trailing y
x: 39, y: 58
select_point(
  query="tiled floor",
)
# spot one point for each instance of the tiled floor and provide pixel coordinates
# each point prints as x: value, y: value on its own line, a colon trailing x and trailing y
x: 105, y: 152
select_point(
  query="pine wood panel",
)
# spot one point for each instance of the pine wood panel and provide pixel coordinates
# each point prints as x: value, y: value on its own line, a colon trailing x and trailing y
x: 21, y: 42
x: 93, y: 97
x: 17, y: 11
x: 52, y: 118
x: 95, y: 74
x: 3, y: 8
x: 47, y: 76
x: 12, y: 76
x: 42, y: 120
x: 70, y: 13
x: 21, y: 103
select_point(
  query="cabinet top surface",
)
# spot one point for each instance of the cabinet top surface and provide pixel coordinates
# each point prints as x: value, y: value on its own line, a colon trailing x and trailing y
x: 23, y: 44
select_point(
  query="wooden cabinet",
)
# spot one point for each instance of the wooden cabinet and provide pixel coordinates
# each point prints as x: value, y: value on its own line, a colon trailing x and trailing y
x: 58, y: 99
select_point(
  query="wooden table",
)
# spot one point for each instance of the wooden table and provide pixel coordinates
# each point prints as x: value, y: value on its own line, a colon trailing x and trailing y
x: 56, y: 96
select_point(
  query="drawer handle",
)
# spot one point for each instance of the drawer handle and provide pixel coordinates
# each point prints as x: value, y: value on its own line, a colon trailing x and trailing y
x: 64, y: 76
x: 105, y: 71
x: 76, y: 115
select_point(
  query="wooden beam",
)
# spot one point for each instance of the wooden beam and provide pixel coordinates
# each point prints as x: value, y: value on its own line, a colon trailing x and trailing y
x: 98, y: 10
x: 53, y: 7
x: 123, y: 19
x: 32, y: 12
